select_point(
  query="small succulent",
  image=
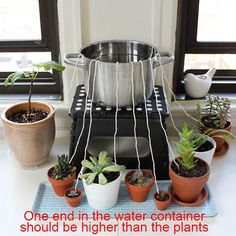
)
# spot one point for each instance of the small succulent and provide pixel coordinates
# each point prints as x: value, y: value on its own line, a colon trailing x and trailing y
x: 99, y: 167
x: 216, y: 112
x: 186, y: 147
x: 62, y: 169
x: 138, y: 179
x: 73, y: 193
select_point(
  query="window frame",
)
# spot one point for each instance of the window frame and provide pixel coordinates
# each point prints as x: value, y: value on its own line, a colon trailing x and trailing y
x: 224, y: 81
x: 46, y: 83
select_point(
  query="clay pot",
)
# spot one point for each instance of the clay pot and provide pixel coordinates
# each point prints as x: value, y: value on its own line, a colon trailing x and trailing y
x: 139, y: 193
x: 219, y: 141
x: 60, y: 186
x: 30, y: 143
x: 162, y: 205
x: 73, y: 202
x: 188, y: 189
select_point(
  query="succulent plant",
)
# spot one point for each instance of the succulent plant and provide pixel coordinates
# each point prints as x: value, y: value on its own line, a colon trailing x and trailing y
x: 73, y: 193
x: 186, y: 147
x: 99, y: 167
x: 62, y: 169
x: 216, y: 112
x: 138, y: 179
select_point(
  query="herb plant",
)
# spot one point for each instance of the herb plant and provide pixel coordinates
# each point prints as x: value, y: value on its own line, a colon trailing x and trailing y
x: 216, y: 112
x: 98, y: 167
x: 46, y: 66
x: 62, y: 169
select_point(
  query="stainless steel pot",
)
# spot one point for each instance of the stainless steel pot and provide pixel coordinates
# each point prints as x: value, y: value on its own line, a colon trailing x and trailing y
x: 104, y: 55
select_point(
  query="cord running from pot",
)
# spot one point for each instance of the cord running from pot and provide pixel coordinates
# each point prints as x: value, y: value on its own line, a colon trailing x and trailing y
x: 134, y: 116
x: 117, y: 107
x: 148, y: 128
x: 84, y: 113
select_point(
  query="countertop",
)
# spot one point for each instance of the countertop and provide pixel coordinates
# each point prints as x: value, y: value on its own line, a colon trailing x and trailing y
x: 19, y: 185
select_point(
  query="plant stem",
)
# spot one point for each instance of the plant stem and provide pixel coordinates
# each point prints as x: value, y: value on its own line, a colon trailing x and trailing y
x: 29, y: 99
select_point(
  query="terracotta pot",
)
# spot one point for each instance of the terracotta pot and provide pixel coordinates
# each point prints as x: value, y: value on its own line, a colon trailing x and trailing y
x: 162, y: 205
x: 188, y: 189
x: 139, y: 193
x: 30, y: 143
x: 219, y: 141
x: 73, y: 202
x: 60, y: 186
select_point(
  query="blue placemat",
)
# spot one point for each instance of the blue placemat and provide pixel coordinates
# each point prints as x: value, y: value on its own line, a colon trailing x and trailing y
x: 47, y: 202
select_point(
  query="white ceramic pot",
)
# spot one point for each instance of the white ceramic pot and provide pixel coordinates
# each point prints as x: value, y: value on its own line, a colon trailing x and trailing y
x: 102, y: 197
x: 208, y: 155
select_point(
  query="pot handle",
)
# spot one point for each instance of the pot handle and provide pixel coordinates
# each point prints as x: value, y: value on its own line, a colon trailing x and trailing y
x: 162, y: 58
x: 75, y: 59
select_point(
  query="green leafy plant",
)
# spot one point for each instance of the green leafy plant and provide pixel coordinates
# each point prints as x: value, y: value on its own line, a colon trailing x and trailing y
x: 186, y: 147
x: 99, y: 167
x: 46, y: 66
x: 62, y: 170
x: 216, y: 112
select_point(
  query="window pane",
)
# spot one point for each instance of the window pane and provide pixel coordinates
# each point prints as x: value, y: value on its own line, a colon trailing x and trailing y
x: 22, y: 61
x: 205, y: 61
x: 19, y: 20
x: 216, y: 21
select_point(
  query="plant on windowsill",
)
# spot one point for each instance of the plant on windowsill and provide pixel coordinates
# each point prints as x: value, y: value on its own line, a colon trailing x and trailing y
x: 214, y: 119
x: 139, y: 184
x: 188, y: 173
x: 101, y: 180
x: 61, y: 175
x: 29, y: 127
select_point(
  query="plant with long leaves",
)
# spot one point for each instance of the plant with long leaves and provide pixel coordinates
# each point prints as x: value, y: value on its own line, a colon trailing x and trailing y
x: 98, y: 167
x: 32, y: 75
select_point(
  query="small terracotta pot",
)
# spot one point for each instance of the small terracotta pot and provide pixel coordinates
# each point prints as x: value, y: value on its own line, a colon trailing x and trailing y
x: 73, y: 202
x: 139, y: 193
x: 30, y: 143
x: 60, y: 186
x: 219, y: 141
x: 188, y: 189
x: 162, y: 205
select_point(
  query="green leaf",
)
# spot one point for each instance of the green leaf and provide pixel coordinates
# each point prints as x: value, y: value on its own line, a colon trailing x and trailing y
x: 87, y: 164
x: 94, y: 160
x: 102, y: 179
x: 84, y: 176
x: 103, y: 158
x: 13, y: 77
x: 114, y: 168
x: 90, y: 179
x: 50, y: 65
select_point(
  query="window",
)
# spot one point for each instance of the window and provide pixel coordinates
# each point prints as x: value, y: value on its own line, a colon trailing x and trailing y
x: 29, y: 34
x: 205, y: 38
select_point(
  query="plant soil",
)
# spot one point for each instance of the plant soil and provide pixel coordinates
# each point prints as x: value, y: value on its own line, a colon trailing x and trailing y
x: 207, y: 146
x: 52, y: 174
x: 111, y: 176
x: 205, y: 121
x: 162, y: 196
x: 23, y: 117
x: 199, y: 170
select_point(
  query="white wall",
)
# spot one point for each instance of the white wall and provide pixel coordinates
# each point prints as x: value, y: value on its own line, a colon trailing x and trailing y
x: 85, y: 21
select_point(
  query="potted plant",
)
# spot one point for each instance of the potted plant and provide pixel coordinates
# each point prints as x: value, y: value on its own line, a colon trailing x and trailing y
x: 205, y: 146
x: 101, y: 180
x: 29, y: 127
x: 139, y: 184
x: 187, y: 172
x: 61, y: 175
x: 214, y: 117
x: 73, y: 196
x: 162, y: 200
